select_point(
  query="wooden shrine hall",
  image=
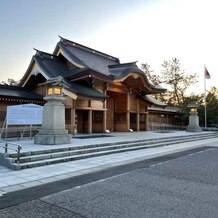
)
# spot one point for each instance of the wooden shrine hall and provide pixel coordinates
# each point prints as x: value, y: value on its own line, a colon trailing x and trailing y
x: 102, y: 95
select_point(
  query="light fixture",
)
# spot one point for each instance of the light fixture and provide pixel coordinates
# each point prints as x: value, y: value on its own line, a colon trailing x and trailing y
x: 54, y: 90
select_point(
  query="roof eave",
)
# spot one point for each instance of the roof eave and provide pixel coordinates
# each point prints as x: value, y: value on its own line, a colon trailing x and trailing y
x: 151, y: 88
x: 88, y: 72
x: 25, y: 76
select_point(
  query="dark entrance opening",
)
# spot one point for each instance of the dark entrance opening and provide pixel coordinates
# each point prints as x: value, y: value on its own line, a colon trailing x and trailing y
x: 82, y: 121
x: 133, y: 121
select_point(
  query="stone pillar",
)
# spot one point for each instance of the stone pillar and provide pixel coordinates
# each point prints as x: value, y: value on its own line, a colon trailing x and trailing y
x: 53, y: 122
x: 193, y: 125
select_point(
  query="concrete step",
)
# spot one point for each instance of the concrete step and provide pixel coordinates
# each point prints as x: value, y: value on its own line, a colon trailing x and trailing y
x: 59, y: 155
x: 86, y: 150
x: 94, y: 154
x: 153, y: 140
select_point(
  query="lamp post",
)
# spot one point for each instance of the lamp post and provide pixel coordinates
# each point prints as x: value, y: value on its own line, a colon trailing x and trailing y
x: 193, y: 119
x: 53, y: 122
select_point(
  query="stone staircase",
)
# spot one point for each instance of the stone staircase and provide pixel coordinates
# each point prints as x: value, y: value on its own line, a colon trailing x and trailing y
x: 71, y: 153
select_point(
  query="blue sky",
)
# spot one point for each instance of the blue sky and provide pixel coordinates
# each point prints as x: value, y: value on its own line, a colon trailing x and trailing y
x: 148, y: 31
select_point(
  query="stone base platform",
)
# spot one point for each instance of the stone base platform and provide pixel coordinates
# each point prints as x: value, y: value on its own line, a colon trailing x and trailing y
x: 193, y: 129
x: 49, y: 137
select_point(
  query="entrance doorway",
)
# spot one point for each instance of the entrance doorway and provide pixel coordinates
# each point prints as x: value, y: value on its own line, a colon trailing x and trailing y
x: 133, y: 121
x: 97, y: 121
x: 82, y: 121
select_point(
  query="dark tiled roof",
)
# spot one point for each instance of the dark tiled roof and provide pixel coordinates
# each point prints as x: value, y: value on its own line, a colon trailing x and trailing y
x: 153, y: 101
x: 88, y: 49
x: 86, y: 91
x: 100, y: 63
x: 55, y: 66
x: 18, y: 92
x: 122, y: 70
x: 88, y: 57
x: 129, y: 64
x: 166, y: 109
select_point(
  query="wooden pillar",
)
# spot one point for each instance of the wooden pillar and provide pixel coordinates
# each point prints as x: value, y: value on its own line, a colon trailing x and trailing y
x: 72, y: 120
x: 128, y: 113
x: 146, y: 118
x: 105, y: 113
x: 138, y: 122
x: 138, y: 117
x: 104, y: 120
x: 90, y: 121
x: 72, y: 117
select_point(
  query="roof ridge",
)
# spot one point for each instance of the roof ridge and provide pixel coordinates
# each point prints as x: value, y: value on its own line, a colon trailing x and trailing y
x: 122, y: 65
x: 7, y: 85
x: 89, y: 49
x: 14, y: 86
x: 46, y: 53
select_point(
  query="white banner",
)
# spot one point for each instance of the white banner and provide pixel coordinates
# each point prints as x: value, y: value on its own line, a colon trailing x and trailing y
x: 24, y: 114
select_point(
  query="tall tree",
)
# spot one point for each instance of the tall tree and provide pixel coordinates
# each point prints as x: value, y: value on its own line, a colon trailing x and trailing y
x: 212, y: 106
x: 172, y: 77
x: 177, y: 81
x: 155, y: 80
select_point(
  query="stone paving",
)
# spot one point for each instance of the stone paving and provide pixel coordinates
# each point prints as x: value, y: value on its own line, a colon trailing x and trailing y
x: 28, y: 145
x: 11, y: 180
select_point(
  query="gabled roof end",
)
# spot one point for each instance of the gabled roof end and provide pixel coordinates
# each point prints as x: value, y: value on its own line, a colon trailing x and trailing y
x: 72, y: 43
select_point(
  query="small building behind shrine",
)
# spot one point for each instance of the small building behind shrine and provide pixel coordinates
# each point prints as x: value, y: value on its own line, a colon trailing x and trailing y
x: 102, y: 94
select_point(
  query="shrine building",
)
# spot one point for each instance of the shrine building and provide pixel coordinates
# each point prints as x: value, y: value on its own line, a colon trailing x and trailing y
x: 102, y: 95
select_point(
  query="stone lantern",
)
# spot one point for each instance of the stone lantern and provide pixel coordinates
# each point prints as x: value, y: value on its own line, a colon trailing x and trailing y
x: 53, y: 122
x: 193, y: 125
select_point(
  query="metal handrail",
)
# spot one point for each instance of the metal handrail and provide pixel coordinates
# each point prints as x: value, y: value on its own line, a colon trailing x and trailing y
x: 18, y: 132
x: 19, y: 147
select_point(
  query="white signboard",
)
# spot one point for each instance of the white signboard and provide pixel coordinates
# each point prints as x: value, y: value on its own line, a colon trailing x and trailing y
x: 24, y: 114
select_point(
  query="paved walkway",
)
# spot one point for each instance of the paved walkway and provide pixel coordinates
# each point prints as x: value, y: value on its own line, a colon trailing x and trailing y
x: 11, y: 180
x: 28, y: 145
